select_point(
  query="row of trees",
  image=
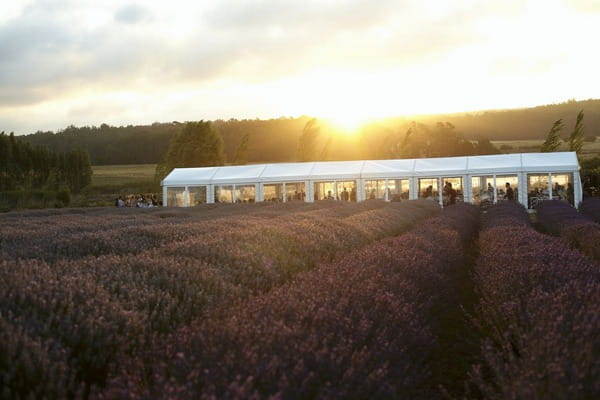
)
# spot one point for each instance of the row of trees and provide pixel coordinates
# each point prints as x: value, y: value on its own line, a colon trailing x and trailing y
x: 417, y: 140
x: 25, y: 167
x: 590, y: 168
x: 198, y: 144
x: 110, y: 145
x: 276, y: 140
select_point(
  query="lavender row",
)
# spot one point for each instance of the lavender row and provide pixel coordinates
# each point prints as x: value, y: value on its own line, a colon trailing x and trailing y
x: 29, y: 234
x: 590, y: 207
x: 539, y: 309
x: 362, y: 327
x: 64, y: 323
x: 74, y: 236
x: 560, y: 219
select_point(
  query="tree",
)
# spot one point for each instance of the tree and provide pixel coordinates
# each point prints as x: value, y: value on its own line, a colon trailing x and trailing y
x: 553, y: 139
x: 79, y: 170
x: 241, y: 153
x: 484, y: 146
x: 195, y: 145
x: 307, y: 146
x: 325, y: 150
x: 576, y: 138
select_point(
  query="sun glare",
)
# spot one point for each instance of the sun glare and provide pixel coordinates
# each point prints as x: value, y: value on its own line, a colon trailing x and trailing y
x: 346, y: 123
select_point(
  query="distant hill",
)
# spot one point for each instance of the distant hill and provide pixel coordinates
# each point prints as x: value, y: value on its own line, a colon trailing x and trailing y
x: 276, y: 140
x: 523, y: 123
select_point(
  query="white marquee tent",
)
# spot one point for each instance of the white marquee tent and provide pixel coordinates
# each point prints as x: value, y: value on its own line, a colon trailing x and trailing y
x: 528, y: 178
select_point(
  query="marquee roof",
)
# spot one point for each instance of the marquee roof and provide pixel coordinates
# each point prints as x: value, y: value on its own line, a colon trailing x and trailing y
x: 375, y: 169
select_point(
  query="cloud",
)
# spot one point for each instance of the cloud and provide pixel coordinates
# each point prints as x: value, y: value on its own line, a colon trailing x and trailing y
x: 132, y: 14
x: 585, y: 6
x: 248, y: 41
x: 59, y: 51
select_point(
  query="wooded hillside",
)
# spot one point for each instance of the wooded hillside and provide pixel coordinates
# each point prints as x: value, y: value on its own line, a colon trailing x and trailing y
x: 276, y: 140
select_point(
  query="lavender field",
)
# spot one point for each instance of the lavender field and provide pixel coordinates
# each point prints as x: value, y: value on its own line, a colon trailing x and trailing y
x: 299, y: 301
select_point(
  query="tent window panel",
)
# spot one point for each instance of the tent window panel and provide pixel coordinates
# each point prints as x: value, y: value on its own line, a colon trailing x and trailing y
x: 273, y: 192
x: 537, y: 189
x: 346, y: 191
x: 295, y: 191
x: 197, y: 195
x: 508, y: 187
x: 324, y: 191
x: 375, y: 190
x: 562, y: 188
x: 428, y: 188
x: 224, y: 194
x: 245, y: 194
x: 482, y: 188
x: 175, y: 196
x: 398, y: 189
x: 452, y: 192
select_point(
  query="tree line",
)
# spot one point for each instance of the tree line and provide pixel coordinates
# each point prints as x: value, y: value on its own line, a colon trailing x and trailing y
x: 276, y: 140
x: 27, y: 170
x: 199, y: 144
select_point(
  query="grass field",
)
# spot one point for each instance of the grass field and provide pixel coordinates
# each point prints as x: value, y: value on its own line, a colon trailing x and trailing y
x: 590, y: 149
x: 111, y: 181
x: 122, y: 174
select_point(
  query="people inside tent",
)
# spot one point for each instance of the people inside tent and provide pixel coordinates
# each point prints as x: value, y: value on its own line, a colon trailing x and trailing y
x: 372, y: 195
x: 299, y: 195
x: 329, y: 195
x: 558, y: 192
x: 353, y: 194
x: 449, y: 194
x: 490, y: 190
x: 428, y: 192
x: 509, y: 193
x: 345, y: 196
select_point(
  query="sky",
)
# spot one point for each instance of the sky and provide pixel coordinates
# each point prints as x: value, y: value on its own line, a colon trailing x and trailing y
x: 80, y: 62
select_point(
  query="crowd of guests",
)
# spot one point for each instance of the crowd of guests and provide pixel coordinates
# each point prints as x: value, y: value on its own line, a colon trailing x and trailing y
x: 301, y: 196
x: 449, y: 195
x: 344, y: 195
x: 559, y: 192
x: 139, y: 201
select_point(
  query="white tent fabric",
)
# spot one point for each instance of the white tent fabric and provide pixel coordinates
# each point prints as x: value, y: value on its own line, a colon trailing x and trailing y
x: 441, y: 166
x: 373, y: 169
x: 190, y: 176
x: 498, y: 163
x: 286, y: 172
x: 549, y: 162
x: 329, y: 170
x: 385, y: 168
x: 238, y: 174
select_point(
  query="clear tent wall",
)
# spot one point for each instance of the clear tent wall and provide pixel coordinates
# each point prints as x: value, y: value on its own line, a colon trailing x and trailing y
x: 528, y: 178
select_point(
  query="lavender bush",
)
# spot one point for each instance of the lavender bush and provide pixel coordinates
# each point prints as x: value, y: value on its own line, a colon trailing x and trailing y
x: 540, y: 313
x: 364, y: 326
x: 80, y: 291
x: 590, y: 206
x: 560, y: 219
